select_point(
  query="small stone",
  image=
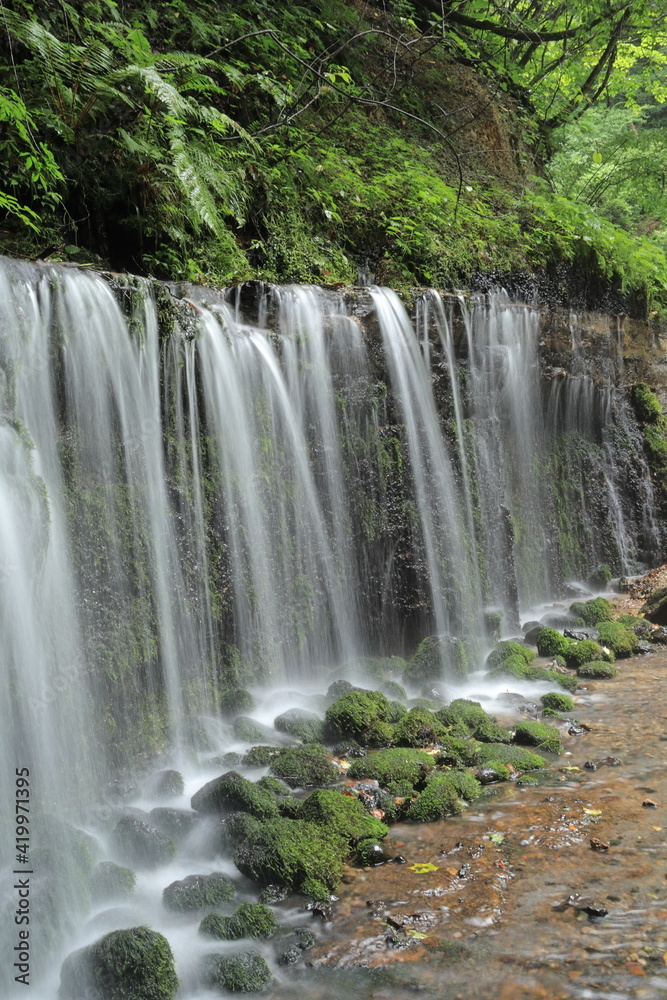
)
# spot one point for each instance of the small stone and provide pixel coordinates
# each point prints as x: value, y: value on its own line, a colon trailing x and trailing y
x: 650, y: 804
x: 598, y: 845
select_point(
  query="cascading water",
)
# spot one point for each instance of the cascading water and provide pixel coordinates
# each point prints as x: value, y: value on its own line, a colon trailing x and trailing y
x: 195, y: 493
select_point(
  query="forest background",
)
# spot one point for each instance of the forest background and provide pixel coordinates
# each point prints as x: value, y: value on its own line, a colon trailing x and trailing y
x: 443, y: 143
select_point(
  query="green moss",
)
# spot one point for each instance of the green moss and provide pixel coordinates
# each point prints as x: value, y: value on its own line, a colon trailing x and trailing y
x: 418, y: 728
x: 260, y: 756
x: 244, y: 973
x: 557, y: 702
x: 442, y: 796
x: 231, y: 791
x: 356, y: 713
x: 538, y: 734
x: 387, y: 766
x: 515, y: 666
x: 303, y: 766
x: 552, y: 643
x: 592, y: 612
x: 380, y: 734
x: 645, y: 403
x: 236, y: 701
x: 343, y: 814
x: 456, y: 751
x: 249, y: 731
x: 598, y: 669
x: 435, y: 655
x: 394, y: 691
x: 581, y: 651
x: 287, y: 852
x: 621, y: 640
x: 167, y: 784
x: 197, y: 892
x: 517, y: 757
x: 249, y: 920
x: 471, y: 715
x: 509, y: 649
x: 302, y: 724
x: 494, y: 770
x: 109, y: 881
x: 600, y: 576
x: 316, y: 890
x: 134, y: 964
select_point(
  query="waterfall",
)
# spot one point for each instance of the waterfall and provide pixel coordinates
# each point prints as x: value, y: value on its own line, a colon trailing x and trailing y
x: 200, y: 489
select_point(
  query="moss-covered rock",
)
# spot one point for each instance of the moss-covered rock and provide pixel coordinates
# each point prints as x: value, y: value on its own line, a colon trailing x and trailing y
x: 443, y: 795
x: 236, y: 701
x: 591, y: 612
x: 600, y: 576
x: 175, y: 823
x: 418, y: 728
x: 557, y: 702
x: 134, y: 964
x: 109, y: 882
x: 621, y: 640
x: 244, y: 973
x: 250, y: 731
x: 343, y: 814
x: 197, y: 892
x: 249, y: 920
x: 232, y: 792
x: 492, y: 772
x: 167, y: 784
x: 369, y: 853
x: 514, y: 756
x: 551, y: 643
x: 304, y: 725
x: 538, y: 734
x: 582, y: 650
x: 304, y: 766
x: 260, y: 756
x: 380, y: 734
x: 505, y: 650
x: 140, y: 844
x: 598, y: 669
x: 355, y: 714
x: 456, y: 751
x: 469, y: 715
x: 437, y: 656
x: 287, y: 852
x: 397, y: 764
x: 394, y: 691
x: 515, y: 666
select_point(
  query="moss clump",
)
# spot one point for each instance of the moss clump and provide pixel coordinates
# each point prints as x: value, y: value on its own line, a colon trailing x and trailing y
x: 168, y: 784
x: 304, y: 766
x: 557, y: 702
x: 621, y: 640
x: 231, y: 791
x: 418, y: 728
x: 236, y: 828
x: 597, y: 668
x: 110, y: 882
x: 287, y: 852
x: 249, y: 731
x: 245, y: 973
x: 134, y: 964
x: 600, y: 576
x: 343, y: 814
x: 304, y: 725
x: 515, y: 666
x: 316, y: 890
x: 517, y: 757
x: 552, y: 643
x: 591, y: 612
x: 260, y: 756
x: 249, y: 920
x: 356, y: 713
x: 393, y: 765
x: 276, y: 786
x: 583, y: 650
x: 538, y: 734
x: 471, y: 715
x: 442, y: 796
x: 456, y: 751
x: 380, y: 734
x: 236, y: 701
x: 645, y: 403
x: 197, y: 892
x: 506, y: 649
x: 493, y: 771
x: 140, y: 844
x: 394, y: 691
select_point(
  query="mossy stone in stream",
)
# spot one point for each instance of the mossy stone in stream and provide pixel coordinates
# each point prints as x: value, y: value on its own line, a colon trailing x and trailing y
x: 443, y: 795
x: 197, y: 892
x: 517, y: 757
x: 304, y: 725
x: 134, y: 964
x: 621, y: 640
x: 551, y: 643
x: 355, y: 713
x: 394, y: 691
x: 433, y: 653
x: 249, y: 920
x: 343, y: 814
x: 236, y: 701
x: 109, y: 881
x: 515, y: 666
x: 470, y: 714
x: 244, y: 973
x: 557, y: 702
x: 584, y: 650
x: 175, y: 823
x: 232, y: 792
x: 597, y: 669
x: 418, y: 728
x: 260, y: 756
x: 397, y: 764
x: 538, y: 734
x: 167, y: 784
x: 250, y: 731
x: 599, y: 609
x: 305, y: 765
x: 506, y: 649
x: 140, y: 844
x: 288, y: 852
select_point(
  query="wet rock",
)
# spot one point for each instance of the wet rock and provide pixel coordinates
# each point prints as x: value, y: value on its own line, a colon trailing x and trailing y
x: 249, y: 920
x: 556, y: 620
x: 167, y: 785
x: 575, y: 590
x: 231, y: 791
x: 250, y: 731
x: 197, y: 892
x: 142, y: 845
x: 236, y: 701
x: 370, y: 853
x: 655, y: 608
x: 175, y: 823
x: 582, y: 633
x: 301, y: 723
x: 491, y: 774
x: 610, y: 761
x: 578, y: 728
x: 598, y: 845
x: 643, y: 647
x: 659, y: 635
x: 243, y: 973
x: 109, y: 881
x: 591, y: 765
x: 272, y: 894
x: 297, y: 942
x: 123, y: 789
x: 531, y: 635
x: 134, y: 964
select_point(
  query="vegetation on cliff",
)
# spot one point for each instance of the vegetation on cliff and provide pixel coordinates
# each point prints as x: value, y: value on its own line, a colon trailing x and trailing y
x: 422, y: 142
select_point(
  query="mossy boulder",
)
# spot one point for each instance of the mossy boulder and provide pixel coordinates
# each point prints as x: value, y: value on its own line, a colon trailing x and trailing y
x: 175, y: 823
x: 244, y: 973
x: 369, y: 853
x: 109, y: 882
x: 134, y: 964
x: 167, y: 784
x: 538, y: 734
x: 513, y: 756
x: 249, y: 920
x: 507, y: 649
x: 601, y: 576
x: 356, y: 713
x: 235, y: 828
x: 236, y: 701
x: 343, y: 814
x: 551, y: 643
x: 390, y: 766
x: 418, y: 728
x: 261, y: 756
x: 581, y: 651
x: 443, y: 795
x: 394, y: 691
x: 621, y: 640
x: 197, y: 892
x: 141, y: 845
x: 516, y: 666
x: 232, y: 792
x: 655, y: 608
x: 557, y: 702
x: 304, y: 766
x: 436, y: 656
x: 304, y: 725
x: 250, y: 731
x: 491, y: 772
x: 591, y: 612
x: 456, y: 751
x: 597, y: 669
x: 463, y: 714
x: 288, y: 852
